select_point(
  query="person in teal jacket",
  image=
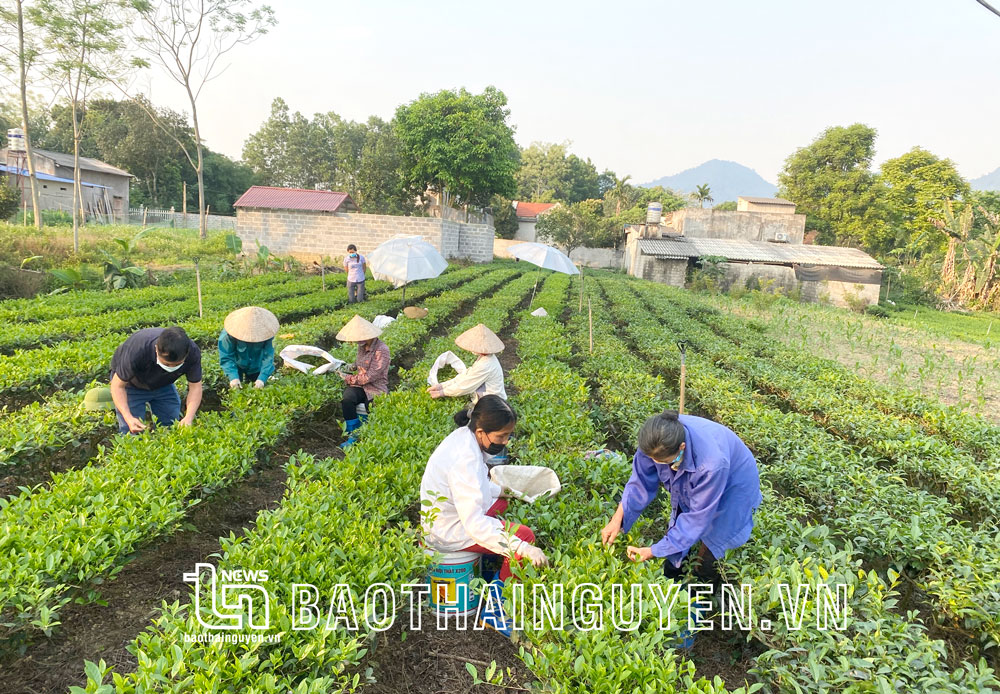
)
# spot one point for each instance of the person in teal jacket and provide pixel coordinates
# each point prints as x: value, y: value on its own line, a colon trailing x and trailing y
x: 246, y: 346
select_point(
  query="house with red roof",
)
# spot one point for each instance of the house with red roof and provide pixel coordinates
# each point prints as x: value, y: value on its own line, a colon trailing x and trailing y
x: 527, y: 216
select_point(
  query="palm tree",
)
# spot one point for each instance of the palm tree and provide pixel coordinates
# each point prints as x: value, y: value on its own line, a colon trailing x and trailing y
x: 702, y: 194
x: 620, y: 193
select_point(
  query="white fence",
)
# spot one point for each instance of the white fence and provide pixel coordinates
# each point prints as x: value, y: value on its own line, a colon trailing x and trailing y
x: 151, y: 216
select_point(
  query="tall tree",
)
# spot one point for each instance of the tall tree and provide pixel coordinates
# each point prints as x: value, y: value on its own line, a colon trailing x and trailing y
x: 125, y: 137
x: 85, y: 38
x: 461, y: 142
x: 20, y: 54
x: 576, y: 225
x: 832, y: 183
x: 188, y: 38
x: 702, y: 194
x: 918, y: 184
x: 622, y: 193
x: 548, y: 172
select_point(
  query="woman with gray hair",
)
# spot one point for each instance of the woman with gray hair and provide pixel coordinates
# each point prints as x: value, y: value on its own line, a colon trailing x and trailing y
x: 714, y: 489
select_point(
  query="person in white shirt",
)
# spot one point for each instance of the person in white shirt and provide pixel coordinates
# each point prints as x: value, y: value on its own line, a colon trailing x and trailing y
x: 485, y: 376
x: 463, y: 503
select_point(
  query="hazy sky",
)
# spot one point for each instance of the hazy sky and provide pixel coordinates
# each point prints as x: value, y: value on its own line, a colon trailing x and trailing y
x: 646, y: 88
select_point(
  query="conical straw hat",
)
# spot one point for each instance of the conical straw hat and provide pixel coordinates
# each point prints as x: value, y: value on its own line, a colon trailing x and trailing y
x: 480, y: 340
x: 358, y: 330
x: 251, y: 324
x: 414, y: 312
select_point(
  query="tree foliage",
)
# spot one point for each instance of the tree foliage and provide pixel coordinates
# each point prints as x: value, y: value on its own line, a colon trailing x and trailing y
x: 549, y: 173
x: 831, y: 181
x: 461, y: 142
x: 918, y: 184
x: 581, y: 224
x: 330, y: 153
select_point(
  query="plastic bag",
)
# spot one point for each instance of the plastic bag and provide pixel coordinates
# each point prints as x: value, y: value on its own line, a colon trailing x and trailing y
x: 382, y: 321
x: 290, y: 352
x: 539, y: 312
x: 526, y: 482
x: 447, y: 358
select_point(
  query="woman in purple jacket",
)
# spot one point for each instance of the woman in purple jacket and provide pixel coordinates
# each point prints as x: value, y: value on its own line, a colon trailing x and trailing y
x: 714, y: 489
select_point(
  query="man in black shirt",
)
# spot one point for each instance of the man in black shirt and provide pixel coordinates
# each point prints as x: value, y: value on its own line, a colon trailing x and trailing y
x: 143, y: 370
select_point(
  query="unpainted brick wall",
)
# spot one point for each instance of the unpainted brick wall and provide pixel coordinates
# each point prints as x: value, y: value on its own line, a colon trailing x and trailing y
x: 313, y: 234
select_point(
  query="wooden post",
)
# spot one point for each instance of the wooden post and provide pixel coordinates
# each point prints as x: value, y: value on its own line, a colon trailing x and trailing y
x: 580, y: 309
x: 144, y: 211
x: 590, y: 319
x: 197, y: 279
x: 682, y: 346
x: 322, y: 272
x: 184, y: 202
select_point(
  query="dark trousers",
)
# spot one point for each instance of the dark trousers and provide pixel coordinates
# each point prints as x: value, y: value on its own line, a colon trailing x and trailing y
x: 701, y: 559
x: 248, y: 378
x: 353, y: 396
x: 164, y: 402
x: 356, y: 292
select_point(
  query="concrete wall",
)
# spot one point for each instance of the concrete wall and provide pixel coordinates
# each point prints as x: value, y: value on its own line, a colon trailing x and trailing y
x: 180, y: 220
x: 525, y: 231
x: 747, y: 206
x: 588, y: 257
x: 727, y: 224
x: 118, y: 185
x: 598, y: 257
x: 783, y: 277
x: 312, y: 234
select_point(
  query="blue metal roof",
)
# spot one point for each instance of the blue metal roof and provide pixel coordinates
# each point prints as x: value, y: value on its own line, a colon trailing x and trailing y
x: 45, y: 177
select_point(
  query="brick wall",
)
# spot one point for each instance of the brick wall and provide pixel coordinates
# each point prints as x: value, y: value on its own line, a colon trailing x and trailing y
x: 312, y: 234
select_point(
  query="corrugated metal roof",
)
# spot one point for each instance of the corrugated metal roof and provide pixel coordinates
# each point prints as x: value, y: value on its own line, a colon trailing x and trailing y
x: 758, y: 252
x: 87, y: 163
x: 272, y: 198
x: 46, y: 177
x: 766, y: 201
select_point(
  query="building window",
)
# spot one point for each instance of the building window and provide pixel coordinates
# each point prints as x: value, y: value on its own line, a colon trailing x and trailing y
x: 61, y: 188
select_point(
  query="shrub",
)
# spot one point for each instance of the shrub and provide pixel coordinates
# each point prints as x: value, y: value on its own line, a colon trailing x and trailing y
x: 10, y: 199
x: 877, y: 311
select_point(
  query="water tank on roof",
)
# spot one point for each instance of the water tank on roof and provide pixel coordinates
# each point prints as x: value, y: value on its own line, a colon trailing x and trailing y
x: 654, y: 211
x: 15, y: 140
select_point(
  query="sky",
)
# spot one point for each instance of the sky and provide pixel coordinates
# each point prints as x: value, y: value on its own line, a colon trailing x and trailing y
x: 641, y: 88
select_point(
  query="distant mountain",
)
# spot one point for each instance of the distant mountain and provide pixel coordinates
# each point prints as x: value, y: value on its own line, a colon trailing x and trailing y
x: 990, y: 181
x: 727, y: 179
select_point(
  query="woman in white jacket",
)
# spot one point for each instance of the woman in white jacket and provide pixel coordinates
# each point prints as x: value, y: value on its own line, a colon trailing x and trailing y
x: 485, y: 376
x: 463, y: 503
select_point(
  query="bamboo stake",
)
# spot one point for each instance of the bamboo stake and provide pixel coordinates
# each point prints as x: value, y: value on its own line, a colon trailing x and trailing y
x: 590, y: 320
x: 682, y: 346
x: 197, y: 279
x: 989, y: 328
x: 144, y: 211
x: 322, y: 272
x: 580, y: 309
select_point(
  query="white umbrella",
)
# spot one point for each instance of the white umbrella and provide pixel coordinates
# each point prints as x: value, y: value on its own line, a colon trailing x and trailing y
x: 404, y: 259
x: 543, y: 256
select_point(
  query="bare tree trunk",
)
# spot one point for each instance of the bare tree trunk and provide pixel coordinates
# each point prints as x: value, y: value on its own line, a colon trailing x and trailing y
x: 77, y: 187
x: 23, y: 67
x: 200, y: 169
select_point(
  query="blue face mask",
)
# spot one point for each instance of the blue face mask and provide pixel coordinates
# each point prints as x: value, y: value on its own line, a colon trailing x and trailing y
x: 675, y: 463
x: 354, y: 255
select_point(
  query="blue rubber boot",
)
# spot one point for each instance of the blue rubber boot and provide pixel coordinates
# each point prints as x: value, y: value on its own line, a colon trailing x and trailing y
x: 350, y: 427
x: 491, y: 612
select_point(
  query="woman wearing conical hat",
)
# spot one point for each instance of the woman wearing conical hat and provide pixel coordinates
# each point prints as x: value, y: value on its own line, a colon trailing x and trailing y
x: 246, y: 346
x: 368, y: 376
x: 485, y: 376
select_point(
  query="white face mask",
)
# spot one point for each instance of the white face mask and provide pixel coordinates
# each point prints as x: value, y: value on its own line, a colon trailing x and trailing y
x: 168, y: 369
